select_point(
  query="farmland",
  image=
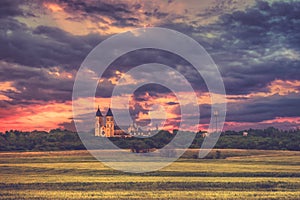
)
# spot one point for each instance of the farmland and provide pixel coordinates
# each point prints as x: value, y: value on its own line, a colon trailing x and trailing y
x: 242, y: 174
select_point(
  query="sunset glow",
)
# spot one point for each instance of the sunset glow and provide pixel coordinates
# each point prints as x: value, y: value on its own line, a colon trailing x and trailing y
x: 53, y: 7
x: 255, y: 48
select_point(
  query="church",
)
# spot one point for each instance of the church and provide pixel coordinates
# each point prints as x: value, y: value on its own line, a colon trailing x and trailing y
x: 106, y: 127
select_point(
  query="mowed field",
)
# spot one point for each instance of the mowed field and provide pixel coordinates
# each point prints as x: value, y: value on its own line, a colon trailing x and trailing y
x: 243, y: 174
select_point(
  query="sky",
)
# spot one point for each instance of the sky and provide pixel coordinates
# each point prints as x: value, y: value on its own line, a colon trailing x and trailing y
x: 255, y: 44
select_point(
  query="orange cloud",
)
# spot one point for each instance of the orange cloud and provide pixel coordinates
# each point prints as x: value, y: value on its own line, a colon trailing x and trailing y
x: 7, y: 85
x: 53, y: 7
x: 284, y: 87
x: 276, y: 87
x: 4, y: 98
x: 58, y: 73
x: 295, y: 120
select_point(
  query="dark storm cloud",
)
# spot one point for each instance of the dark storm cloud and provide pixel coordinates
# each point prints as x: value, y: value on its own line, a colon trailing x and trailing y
x: 152, y: 90
x: 262, y: 26
x: 143, y: 56
x: 11, y: 8
x: 105, y: 89
x: 218, y: 8
x: 30, y: 56
x: 47, y: 47
x: 257, y: 109
x: 144, y: 99
x: 123, y: 22
x: 267, y: 108
x: 43, y: 46
x: 98, y: 7
x: 140, y: 57
x: 34, y: 84
x: 156, y: 13
x: 246, y: 80
x: 249, y: 46
x: 121, y: 14
x: 252, y: 46
x: 11, y: 72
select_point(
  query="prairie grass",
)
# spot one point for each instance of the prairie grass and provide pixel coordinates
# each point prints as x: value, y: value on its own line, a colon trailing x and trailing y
x: 243, y: 174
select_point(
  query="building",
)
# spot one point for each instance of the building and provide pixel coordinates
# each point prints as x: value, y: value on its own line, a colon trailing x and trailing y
x: 245, y: 134
x: 106, y: 127
x: 136, y: 131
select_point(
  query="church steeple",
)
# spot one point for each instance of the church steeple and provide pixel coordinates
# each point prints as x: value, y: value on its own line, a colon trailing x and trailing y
x: 98, y: 113
x: 110, y: 124
x: 109, y: 113
x: 99, y: 122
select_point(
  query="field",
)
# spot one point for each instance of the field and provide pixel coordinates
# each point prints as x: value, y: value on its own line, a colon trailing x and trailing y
x: 243, y: 174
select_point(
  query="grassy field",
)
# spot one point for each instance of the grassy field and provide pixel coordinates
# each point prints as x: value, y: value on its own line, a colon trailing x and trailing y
x: 243, y: 174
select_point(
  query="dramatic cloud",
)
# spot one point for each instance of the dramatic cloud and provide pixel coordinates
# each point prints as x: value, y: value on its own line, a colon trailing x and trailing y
x: 259, y: 45
x: 11, y: 8
x: 36, y: 84
x: 267, y: 108
x: 255, y: 44
x: 43, y: 46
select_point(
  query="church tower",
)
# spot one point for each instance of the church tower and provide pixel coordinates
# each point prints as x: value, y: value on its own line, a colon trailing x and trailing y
x: 110, y: 124
x: 99, y: 124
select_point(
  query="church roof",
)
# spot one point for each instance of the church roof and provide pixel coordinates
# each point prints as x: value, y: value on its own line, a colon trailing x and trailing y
x: 109, y: 113
x: 98, y: 113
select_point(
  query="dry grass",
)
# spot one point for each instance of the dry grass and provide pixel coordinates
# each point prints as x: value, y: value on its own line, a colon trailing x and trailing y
x: 76, y: 175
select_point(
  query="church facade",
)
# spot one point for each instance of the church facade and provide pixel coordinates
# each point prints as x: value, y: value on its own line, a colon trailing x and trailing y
x: 105, y: 125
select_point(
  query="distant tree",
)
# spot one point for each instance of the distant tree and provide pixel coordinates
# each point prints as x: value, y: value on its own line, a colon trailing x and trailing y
x: 56, y: 139
x: 138, y: 146
x: 218, y: 154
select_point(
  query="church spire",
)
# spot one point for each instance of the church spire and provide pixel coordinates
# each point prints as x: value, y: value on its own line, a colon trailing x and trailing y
x: 98, y: 113
x: 109, y: 113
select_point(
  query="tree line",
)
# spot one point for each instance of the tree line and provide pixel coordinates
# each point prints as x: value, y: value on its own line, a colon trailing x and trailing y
x: 56, y: 139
